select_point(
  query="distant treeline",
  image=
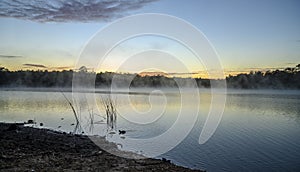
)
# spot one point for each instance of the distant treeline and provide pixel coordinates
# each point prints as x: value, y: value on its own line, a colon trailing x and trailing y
x: 288, y: 78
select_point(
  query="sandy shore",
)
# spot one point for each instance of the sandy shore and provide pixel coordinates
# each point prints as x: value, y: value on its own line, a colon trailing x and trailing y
x: 32, y: 149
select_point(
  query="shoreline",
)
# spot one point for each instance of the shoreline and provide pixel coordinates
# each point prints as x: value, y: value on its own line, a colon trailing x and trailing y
x: 34, y: 149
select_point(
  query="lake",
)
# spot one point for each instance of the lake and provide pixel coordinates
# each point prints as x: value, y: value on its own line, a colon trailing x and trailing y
x: 259, y: 130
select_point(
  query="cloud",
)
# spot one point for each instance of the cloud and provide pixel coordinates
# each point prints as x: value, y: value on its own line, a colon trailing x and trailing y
x: 10, y: 56
x: 34, y: 65
x: 290, y: 63
x: 178, y: 73
x: 168, y: 74
x: 69, y: 10
x: 62, y: 68
x: 30, y: 65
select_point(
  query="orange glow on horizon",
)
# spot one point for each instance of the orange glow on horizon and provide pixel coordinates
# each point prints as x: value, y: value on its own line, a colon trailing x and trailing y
x: 199, y: 74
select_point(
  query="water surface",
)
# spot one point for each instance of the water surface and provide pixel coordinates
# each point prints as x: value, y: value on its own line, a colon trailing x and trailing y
x: 259, y: 131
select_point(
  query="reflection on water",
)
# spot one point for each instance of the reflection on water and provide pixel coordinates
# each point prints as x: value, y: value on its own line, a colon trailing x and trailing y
x: 259, y: 131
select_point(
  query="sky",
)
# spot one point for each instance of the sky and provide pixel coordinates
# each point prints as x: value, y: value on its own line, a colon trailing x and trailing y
x: 246, y: 34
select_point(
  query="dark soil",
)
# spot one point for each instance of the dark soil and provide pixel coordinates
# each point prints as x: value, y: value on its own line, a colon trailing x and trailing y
x: 32, y: 149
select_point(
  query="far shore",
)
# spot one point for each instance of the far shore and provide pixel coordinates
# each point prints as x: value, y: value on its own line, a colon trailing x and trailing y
x: 32, y: 149
x: 149, y: 90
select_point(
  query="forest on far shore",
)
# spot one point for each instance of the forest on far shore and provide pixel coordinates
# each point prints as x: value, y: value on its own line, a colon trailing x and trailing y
x: 288, y: 78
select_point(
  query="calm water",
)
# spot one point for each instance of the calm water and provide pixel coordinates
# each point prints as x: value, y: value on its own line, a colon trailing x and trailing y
x: 259, y: 131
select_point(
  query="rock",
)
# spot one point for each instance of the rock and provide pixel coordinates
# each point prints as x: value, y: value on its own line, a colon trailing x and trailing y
x: 122, y: 131
x: 165, y: 160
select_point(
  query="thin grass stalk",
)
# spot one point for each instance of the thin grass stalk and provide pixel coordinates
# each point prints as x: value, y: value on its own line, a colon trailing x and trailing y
x: 72, y: 107
x: 110, y: 111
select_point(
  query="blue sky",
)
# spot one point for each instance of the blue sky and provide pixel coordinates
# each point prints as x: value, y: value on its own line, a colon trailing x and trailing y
x: 248, y: 35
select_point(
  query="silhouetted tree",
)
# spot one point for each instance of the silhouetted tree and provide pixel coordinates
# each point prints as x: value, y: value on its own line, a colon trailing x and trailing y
x: 289, y: 78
